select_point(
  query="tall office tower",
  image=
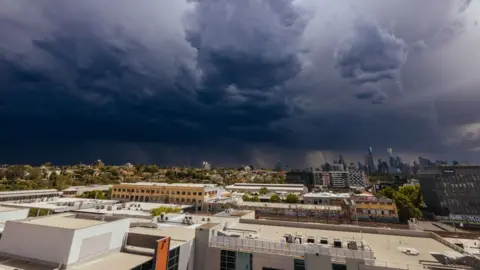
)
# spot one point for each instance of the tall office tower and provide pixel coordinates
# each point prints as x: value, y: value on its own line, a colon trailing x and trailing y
x: 369, y: 162
x: 451, y: 190
x: 206, y: 165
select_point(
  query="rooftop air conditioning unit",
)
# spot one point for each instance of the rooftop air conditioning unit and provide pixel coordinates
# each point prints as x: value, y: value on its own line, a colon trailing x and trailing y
x: 337, y: 243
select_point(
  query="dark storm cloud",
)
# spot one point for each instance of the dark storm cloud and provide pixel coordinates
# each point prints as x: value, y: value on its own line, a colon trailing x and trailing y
x: 229, y: 81
x: 369, y: 56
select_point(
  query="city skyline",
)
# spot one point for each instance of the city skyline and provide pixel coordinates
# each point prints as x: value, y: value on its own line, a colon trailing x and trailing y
x: 234, y: 82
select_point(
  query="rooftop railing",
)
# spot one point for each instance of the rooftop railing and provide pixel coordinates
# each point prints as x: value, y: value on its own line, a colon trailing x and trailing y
x: 338, y: 255
x: 289, y: 249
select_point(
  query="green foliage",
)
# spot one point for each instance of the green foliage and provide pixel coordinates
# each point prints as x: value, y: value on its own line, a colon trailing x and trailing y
x: 406, y: 209
x: 263, y: 191
x: 164, y: 209
x: 95, y: 194
x: 291, y: 198
x: 388, y: 192
x: 408, y: 200
x: 34, y: 211
x: 253, y: 198
x: 275, y: 198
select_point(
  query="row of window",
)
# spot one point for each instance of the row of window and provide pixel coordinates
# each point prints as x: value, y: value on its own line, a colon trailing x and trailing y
x: 152, y: 198
x: 173, y: 258
x: 163, y: 192
x: 231, y: 260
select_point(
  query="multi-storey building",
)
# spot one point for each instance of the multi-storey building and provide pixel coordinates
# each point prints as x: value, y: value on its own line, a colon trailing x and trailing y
x: 338, y: 179
x: 325, y: 198
x: 306, y: 178
x: 356, y: 178
x: 162, y: 192
x: 452, y: 190
x: 374, y: 209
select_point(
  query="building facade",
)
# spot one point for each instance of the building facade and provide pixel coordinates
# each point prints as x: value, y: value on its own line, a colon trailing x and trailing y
x: 356, y: 178
x: 162, y: 192
x: 375, y: 209
x: 451, y: 190
x: 338, y: 179
x: 306, y: 178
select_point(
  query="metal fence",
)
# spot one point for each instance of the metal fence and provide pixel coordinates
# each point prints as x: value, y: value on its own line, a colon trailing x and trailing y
x: 289, y: 249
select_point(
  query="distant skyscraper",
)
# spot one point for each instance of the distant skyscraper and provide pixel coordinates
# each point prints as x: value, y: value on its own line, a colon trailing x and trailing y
x: 206, y: 165
x: 369, y: 161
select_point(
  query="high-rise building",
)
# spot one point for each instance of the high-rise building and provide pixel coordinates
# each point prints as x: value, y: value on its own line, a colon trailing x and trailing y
x: 356, y: 178
x: 451, y: 190
x: 206, y: 165
x: 369, y: 161
x: 306, y: 178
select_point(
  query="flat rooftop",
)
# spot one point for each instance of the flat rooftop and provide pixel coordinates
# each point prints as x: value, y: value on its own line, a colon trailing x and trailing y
x: 58, y: 203
x: 290, y: 206
x: 130, y: 208
x: 8, y: 263
x: 8, y: 209
x: 62, y: 221
x: 385, y: 247
x: 117, y: 260
x: 160, y: 184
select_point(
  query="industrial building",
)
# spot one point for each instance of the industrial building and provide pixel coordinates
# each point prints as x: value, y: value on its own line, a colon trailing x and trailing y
x: 79, y: 190
x: 190, y: 242
x: 59, y: 204
x: 163, y: 192
x: 275, y: 188
x: 374, y: 209
x: 452, y: 191
x: 325, y: 198
x: 6, y: 196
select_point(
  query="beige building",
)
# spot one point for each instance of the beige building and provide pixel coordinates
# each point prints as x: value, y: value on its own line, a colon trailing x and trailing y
x: 163, y: 192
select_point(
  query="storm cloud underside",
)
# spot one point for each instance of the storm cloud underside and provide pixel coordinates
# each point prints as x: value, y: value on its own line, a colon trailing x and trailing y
x: 237, y: 82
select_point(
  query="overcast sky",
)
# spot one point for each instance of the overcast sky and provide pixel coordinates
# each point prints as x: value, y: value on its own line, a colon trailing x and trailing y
x: 238, y: 82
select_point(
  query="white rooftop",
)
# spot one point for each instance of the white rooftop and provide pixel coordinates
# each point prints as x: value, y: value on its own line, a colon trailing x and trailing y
x: 27, y: 192
x: 326, y: 195
x: 131, y: 208
x: 386, y: 248
x: 117, y: 260
x: 66, y: 221
x: 58, y: 203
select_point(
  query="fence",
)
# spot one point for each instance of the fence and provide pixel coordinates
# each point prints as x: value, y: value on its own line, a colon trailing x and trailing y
x: 288, y: 249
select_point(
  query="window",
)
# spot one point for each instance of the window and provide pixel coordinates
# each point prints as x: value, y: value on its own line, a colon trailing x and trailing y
x: 338, y: 266
x: 173, y: 256
x: 298, y: 264
x: 227, y: 260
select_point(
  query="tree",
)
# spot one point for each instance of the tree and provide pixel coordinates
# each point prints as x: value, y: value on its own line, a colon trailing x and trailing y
x: 275, y: 198
x: 291, y: 198
x: 254, y: 198
x: 406, y: 209
x: 164, y: 209
x: 388, y: 192
x: 245, y: 197
x: 263, y: 191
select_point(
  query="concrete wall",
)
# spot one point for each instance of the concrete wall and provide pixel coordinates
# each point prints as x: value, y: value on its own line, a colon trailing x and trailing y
x: 320, y: 226
x: 260, y: 260
x: 142, y: 240
x: 187, y: 254
x: 15, y: 214
x: 317, y: 261
x: 42, y: 243
x: 118, y: 230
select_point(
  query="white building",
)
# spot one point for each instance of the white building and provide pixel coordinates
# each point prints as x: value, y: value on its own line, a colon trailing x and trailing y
x: 79, y: 190
x: 189, y: 242
x: 206, y: 165
x: 6, y: 196
x: 62, y: 240
x: 325, y: 198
